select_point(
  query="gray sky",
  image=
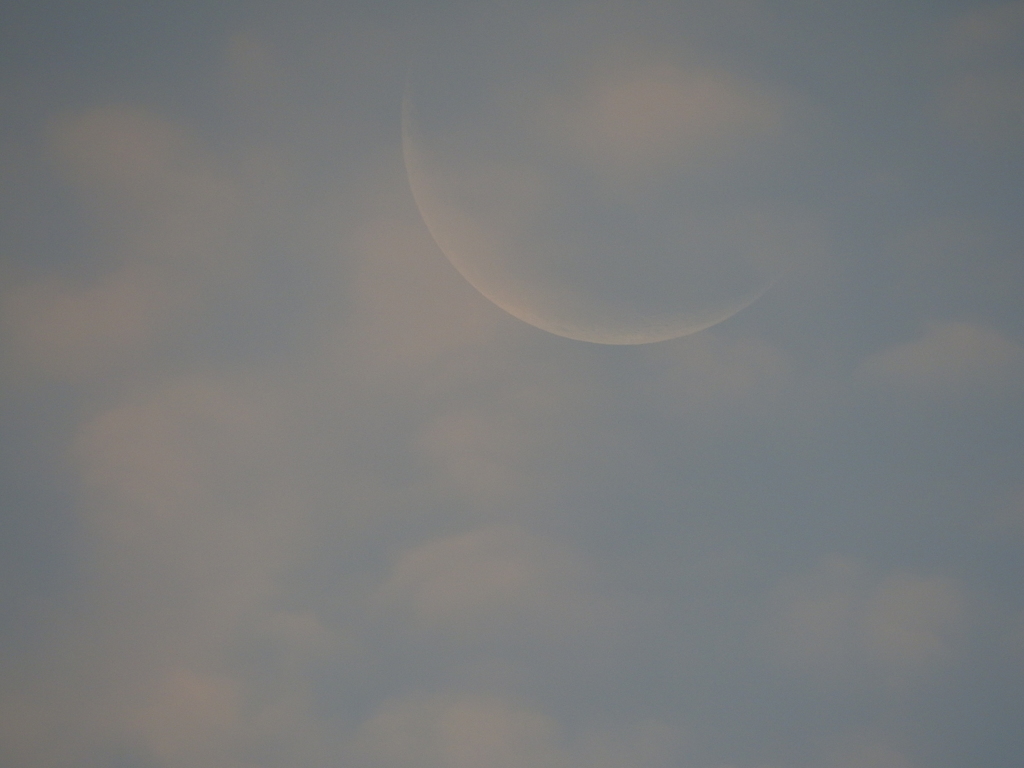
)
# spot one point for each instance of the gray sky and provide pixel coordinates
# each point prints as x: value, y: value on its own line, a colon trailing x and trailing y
x: 281, y: 488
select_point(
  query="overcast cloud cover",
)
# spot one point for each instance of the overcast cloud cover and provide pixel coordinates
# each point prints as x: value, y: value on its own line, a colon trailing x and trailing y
x: 279, y: 488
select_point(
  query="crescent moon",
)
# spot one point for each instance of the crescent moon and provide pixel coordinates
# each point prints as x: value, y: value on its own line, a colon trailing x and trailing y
x: 465, y: 243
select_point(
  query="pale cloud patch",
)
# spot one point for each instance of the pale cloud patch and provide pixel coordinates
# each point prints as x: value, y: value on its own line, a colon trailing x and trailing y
x: 193, y: 720
x: 465, y: 732
x: 842, y: 617
x: 475, y: 455
x: 496, y: 581
x: 958, y: 358
x: 121, y: 149
x: 154, y: 456
x: 488, y: 456
x: 705, y: 372
x: 409, y: 307
x: 912, y: 620
x: 72, y: 329
x: 164, y: 200
x: 477, y: 731
x: 635, y: 118
x: 191, y: 519
x: 988, y: 28
x: 188, y: 501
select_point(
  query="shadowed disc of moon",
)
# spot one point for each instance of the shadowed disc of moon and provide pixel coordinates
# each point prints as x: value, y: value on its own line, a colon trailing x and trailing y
x: 598, y: 197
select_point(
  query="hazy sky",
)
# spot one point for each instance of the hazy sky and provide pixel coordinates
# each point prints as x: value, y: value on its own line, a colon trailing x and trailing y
x: 279, y: 488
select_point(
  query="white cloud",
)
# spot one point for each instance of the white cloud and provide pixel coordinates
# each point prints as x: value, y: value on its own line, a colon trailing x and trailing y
x: 193, y: 721
x: 409, y: 306
x: 635, y: 118
x: 950, y: 359
x: 177, y: 460
x: 121, y: 149
x: 191, y: 517
x: 987, y: 28
x: 488, y: 456
x: 911, y: 620
x: 498, y: 581
x: 984, y: 100
x: 466, y: 732
x: 71, y: 329
x: 477, y: 731
x: 164, y: 205
x: 706, y: 373
x: 843, y: 619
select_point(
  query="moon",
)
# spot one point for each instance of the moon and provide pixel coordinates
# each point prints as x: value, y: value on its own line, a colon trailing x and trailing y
x: 605, y: 202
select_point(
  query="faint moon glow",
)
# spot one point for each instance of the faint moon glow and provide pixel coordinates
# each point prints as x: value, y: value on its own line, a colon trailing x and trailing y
x: 597, y: 200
